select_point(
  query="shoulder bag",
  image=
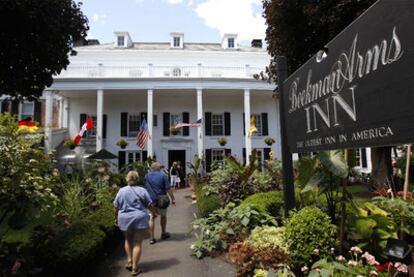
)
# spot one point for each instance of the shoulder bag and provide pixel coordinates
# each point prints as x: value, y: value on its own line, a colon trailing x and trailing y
x: 163, y: 200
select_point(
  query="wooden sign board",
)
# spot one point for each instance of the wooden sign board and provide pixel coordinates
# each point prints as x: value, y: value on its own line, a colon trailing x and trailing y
x: 362, y: 93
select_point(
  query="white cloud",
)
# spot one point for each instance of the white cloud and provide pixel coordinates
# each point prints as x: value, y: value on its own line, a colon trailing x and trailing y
x: 234, y: 16
x: 174, y: 1
x: 99, y: 18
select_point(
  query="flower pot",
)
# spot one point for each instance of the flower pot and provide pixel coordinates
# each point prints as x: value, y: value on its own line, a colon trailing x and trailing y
x: 123, y: 146
x: 72, y: 147
x: 269, y: 144
x: 223, y: 144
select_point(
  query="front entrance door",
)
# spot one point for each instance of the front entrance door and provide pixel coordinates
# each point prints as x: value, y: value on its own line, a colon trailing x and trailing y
x: 177, y: 155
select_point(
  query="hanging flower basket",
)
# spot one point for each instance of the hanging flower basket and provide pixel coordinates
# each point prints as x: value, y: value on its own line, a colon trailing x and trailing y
x: 174, y: 131
x: 222, y: 141
x: 269, y: 141
x: 122, y: 143
x: 70, y: 144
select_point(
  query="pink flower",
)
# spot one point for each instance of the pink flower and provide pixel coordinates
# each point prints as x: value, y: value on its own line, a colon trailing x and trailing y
x: 373, y: 273
x: 318, y: 270
x: 356, y: 249
x: 352, y: 263
x: 401, y: 267
x: 370, y: 259
x: 340, y: 258
x: 304, y: 269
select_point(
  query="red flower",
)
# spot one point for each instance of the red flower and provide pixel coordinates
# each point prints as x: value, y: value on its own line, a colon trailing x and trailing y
x: 383, y: 267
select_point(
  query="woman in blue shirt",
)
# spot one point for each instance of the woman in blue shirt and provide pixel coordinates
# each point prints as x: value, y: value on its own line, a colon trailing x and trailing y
x: 132, y: 218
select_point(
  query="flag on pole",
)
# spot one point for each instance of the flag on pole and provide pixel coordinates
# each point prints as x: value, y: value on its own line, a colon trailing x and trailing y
x: 252, y: 128
x: 27, y: 125
x: 196, y: 124
x: 143, y: 135
x: 85, y: 127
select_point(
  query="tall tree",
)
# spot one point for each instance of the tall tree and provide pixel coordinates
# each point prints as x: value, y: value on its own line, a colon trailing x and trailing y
x: 297, y: 29
x: 36, y: 39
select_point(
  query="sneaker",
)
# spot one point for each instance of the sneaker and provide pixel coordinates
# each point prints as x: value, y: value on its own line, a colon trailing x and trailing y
x: 166, y: 235
x: 153, y: 241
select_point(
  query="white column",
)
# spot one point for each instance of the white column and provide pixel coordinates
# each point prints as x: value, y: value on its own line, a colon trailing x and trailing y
x: 65, y: 123
x: 61, y: 112
x: 48, y: 120
x: 200, y: 116
x: 247, y: 137
x: 99, y: 120
x: 150, y: 115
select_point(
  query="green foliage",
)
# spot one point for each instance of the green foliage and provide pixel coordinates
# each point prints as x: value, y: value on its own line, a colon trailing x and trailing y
x: 329, y: 269
x: 263, y: 237
x: 141, y: 167
x: 27, y: 173
x: 309, y: 234
x: 206, y: 203
x: 37, y: 38
x: 267, y: 202
x: 371, y: 227
x: 195, y: 165
x: 224, y: 226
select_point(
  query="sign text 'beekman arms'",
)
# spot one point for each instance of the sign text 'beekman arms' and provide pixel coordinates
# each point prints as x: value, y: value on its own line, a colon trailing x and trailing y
x: 362, y: 93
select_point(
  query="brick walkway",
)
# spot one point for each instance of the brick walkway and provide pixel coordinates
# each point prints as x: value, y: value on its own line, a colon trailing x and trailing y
x: 172, y: 257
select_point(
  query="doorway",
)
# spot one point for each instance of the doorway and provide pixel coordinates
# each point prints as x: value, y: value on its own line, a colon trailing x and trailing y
x: 177, y: 155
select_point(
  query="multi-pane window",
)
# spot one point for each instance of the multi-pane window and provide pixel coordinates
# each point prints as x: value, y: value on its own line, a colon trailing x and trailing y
x: 217, y: 124
x: 27, y: 110
x: 134, y: 122
x: 176, y: 42
x: 121, y: 41
x: 230, y: 43
x: 175, y: 119
x: 91, y: 133
x: 133, y: 156
x: 258, y: 122
x: 176, y: 72
x: 217, y: 156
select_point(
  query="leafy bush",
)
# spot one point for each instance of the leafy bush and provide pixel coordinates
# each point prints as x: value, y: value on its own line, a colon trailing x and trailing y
x: 267, y: 237
x: 226, y: 225
x: 140, y: 167
x: 267, y: 202
x: 309, y: 234
x: 206, y: 203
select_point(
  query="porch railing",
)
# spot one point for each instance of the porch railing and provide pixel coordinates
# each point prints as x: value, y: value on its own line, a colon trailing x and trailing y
x: 156, y: 71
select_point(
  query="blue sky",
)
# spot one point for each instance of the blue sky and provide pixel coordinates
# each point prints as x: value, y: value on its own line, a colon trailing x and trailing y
x: 153, y: 20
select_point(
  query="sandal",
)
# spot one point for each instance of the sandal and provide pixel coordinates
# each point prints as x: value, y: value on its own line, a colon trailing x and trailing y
x: 136, y: 272
x: 128, y: 266
x: 166, y: 235
x: 153, y: 241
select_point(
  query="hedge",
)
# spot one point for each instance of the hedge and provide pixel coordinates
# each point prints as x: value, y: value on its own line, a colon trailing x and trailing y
x: 206, y: 204
x: 267, y: 202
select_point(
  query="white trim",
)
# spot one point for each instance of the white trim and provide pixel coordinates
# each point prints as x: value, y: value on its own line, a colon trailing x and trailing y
x: 247, y: 137
x: 21, y: 109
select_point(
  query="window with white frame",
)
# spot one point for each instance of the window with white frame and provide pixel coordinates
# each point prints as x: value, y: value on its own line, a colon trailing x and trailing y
x: 217, y: 156
x: 176, y: 41
x: 230, y: 43
x: 133, y: 156
x: 358, y: 157
x: 121, y: 41
x: 217, y: 124
x: 176, y: 72
x: 26, y: 110
x: 259, y: 125
x: 174, y: 120
x: 134, y: 122
x: 91, y: 133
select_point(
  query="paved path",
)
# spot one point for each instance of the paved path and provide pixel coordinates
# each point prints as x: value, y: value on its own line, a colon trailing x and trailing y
x: 172, y: 257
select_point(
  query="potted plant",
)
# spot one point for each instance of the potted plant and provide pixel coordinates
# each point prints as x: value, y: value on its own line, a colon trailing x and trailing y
x: 174, y: 131
x: 269, y: 141
x: 222, y: 141
x: 70, y: 144
x: 122, y: 143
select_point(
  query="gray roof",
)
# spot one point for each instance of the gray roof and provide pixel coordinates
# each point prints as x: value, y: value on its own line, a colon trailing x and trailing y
x: 166, y: 46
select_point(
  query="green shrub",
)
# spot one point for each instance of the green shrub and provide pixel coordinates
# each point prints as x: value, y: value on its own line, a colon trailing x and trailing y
x: 267, y: 237
x: 309, y: 235
x: 206, y: 203
x: 103, y: 218
x: 267, y: 202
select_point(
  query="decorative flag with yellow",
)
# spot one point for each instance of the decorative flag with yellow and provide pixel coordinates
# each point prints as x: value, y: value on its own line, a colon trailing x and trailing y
x: 252, y: 128
x: 27, y: 125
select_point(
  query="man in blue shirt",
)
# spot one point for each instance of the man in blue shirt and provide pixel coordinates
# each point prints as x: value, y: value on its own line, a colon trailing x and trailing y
x: 157, y: 184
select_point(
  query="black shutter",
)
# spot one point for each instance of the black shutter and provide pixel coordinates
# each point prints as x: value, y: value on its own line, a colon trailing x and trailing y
x: 207, y: 125
x: 208, y: 160
x: 186, y: 119
x: 37, y: 111
x: 155, y: 120
x: 244, y: 156
x: 227, y: 152
x: 244, y: 125
x: 266, y: 152
x: 15, y: 108
x: 4, y: 106
x: 105, y: 122
x: 227, y: 124
x: 144, y: 156
x: 144, y: 116
x: 124, y: 124
x: 83, y: 117
x: 364, y: 157
x: 121, y: 159
x: 265, y: 125
x: 166, y: 120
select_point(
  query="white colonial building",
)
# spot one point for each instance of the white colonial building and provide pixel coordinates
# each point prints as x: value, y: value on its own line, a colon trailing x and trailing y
x: 120, y: 83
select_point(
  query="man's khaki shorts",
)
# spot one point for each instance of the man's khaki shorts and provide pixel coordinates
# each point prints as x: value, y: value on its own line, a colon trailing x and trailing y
x: 161, y: 212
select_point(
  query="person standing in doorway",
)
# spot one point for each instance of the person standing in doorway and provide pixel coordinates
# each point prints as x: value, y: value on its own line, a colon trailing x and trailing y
x: 158, y: 187
x: 174, y: 175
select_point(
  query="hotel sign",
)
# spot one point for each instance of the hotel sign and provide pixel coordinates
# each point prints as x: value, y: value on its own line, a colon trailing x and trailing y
x: 362, y: 93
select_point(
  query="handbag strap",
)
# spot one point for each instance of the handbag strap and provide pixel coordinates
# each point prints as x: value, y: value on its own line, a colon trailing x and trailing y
x: 136, y: 194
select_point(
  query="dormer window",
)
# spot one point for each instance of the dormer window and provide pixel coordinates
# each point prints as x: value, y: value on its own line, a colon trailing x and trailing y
x: 121, y: 41
x: 230, y: 43
x: 176, y: 42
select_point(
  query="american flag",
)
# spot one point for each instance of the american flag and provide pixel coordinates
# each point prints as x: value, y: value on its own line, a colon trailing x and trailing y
x: 143, y: 135
x: 193, y: 125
